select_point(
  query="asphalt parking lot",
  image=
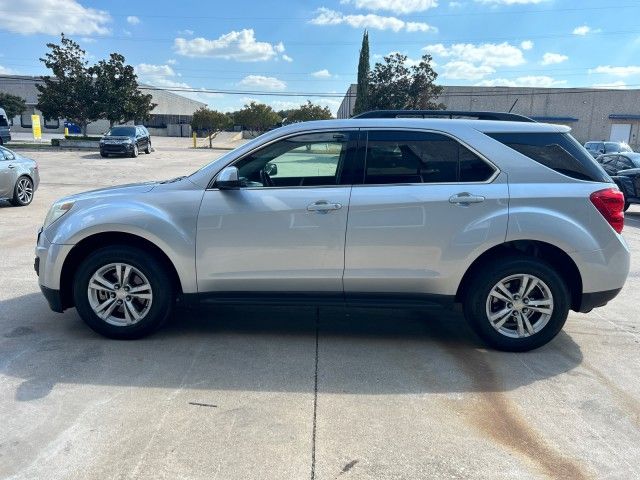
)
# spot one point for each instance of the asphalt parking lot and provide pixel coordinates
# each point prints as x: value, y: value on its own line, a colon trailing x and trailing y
x: 298, y: 393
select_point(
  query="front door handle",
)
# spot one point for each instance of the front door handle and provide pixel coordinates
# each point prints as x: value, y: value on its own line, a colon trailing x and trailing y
x: 465, y: 199
x: 322, y: 206
x: 11, y: 166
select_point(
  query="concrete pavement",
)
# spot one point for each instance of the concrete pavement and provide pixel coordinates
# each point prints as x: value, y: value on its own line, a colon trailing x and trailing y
x: 298, y: 393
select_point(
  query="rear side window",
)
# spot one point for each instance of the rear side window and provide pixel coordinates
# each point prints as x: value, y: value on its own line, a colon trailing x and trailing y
x: 557, y: 151
x: 397, y: 156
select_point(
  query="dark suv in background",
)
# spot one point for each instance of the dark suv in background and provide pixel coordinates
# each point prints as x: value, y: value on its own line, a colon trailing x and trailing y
x: 125, y: 140
x: 5, y: 129
x: 624, y: 169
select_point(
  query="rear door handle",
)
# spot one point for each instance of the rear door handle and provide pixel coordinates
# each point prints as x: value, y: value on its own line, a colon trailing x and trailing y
x: 465, y: 199
x: 323, y: 206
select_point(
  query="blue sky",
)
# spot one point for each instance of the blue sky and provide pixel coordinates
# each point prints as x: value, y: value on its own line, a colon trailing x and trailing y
x: 312, y: 46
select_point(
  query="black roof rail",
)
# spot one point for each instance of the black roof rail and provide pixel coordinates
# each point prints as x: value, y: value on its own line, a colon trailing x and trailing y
x: 500, y: 116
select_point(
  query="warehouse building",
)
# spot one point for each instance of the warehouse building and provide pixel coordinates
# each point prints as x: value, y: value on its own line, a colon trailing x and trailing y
x: 592, y: 114
x: 171, y: 116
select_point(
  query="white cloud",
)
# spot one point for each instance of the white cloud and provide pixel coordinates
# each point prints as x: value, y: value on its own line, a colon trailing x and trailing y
x: 235, y: 45
x: 159, y: 70
x: 584, y: 30
x: 455, y: 4
x: 52, y: 17
x: 287, y: 58
x: 461, y: 70
x: 512, y: 2
x: 326, y: 16
x: 133, y: 20
x: 539, y: 81
x: 324, y: 73
x: 553, y: 58
x: 526, y: 45
x: 396, y: 6
x: 172, y: 61
x: 486, y: 54
x: 5, y: 71
x: 186, y: 31
x: 409, y: 62
x: 618, y: 85
x: 262, y: 82
x: 617, y: 71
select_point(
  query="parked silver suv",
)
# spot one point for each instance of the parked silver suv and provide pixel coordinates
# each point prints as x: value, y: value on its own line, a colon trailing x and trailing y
x: 513, y: 219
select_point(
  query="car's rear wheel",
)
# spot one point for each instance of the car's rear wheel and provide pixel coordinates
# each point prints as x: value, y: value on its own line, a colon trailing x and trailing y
x: 122, y: 292
x: 22, y: 192
x: 517, y: 304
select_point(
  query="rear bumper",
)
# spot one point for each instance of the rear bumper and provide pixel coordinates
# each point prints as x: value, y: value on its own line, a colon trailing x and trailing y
x: 597, y: 299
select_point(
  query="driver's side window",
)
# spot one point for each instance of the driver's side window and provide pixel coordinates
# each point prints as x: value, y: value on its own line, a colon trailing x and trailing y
x: 314, y: 159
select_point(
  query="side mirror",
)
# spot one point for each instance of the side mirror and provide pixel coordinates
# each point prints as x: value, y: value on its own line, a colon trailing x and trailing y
x: 228, y: 179
x: 271, y: 169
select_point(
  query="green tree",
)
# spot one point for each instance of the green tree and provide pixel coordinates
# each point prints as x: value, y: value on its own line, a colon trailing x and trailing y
x: 393, y: 85
x: 70, y: 93
x: 209, y: 121
x: 307, y: 112
x: 12, y: 104
x: 118, y: 97
x: 257, y: 117
x: 362, y: 93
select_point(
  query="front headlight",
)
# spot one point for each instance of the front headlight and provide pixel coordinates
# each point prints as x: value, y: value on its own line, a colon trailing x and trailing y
x: 57, y: 210
x: 128, y: 140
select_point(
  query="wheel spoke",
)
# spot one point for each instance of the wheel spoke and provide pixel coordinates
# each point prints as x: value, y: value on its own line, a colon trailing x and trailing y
x: 505, y: 291
x: 520, y: 323
x: 543, y: 302
x: 141, y: 296
x: 98, y: 282
x: 527, y: 324
x: 132, y: 311
x: 105, y: 309
x: 125, y: 275
x: 530, y: 288
x: 524, y: 283
x: 545, y: 310
x: 498, y: 319
x: 140, y: 288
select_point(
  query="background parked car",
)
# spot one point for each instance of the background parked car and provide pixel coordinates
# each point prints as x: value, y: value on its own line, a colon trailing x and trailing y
x: 5, y: 129
x: 125, y: 140
x: 624, y: 168
x: 598, y: 148
x: 19, y: 178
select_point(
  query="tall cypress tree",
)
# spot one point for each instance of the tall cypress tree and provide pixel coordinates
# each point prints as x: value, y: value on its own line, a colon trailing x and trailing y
x: 362, y: 95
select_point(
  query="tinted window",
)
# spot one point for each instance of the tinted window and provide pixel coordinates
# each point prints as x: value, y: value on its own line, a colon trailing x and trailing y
x: 122, y: 132
x: 3, y: 121
x: 420, y: 157
x: 558, y: 151
x: 304, y: 160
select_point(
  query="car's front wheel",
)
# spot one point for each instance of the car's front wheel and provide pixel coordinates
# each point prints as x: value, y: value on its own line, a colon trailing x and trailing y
x: 517, y: 304
x: 123, y: 292
x: 135, y: 151
x: 148, y: 149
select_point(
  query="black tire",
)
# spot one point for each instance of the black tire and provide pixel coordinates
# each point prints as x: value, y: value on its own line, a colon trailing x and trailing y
x: 16, y: 201
x: 104, y: 155
x: 162, y: 289
x: 134, y: 152
x: 481, y: 284
x: 626, y: 206
x: 1, y: 142
x: 148, y: 149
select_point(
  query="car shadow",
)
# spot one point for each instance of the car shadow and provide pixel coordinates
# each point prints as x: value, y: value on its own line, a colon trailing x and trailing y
x: 359, y: 351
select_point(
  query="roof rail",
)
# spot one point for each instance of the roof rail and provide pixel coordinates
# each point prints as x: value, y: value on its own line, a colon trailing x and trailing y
x: 500, y: 116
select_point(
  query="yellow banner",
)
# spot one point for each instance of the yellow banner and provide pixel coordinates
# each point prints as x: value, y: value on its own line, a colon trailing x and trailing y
x: 35, y: 127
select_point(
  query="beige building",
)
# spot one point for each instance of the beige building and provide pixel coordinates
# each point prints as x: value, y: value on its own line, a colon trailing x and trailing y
x: 170, y: 117
x: 592, y: 114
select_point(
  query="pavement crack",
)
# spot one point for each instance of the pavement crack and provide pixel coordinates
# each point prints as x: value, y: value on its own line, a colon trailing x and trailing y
x: 315, y: 401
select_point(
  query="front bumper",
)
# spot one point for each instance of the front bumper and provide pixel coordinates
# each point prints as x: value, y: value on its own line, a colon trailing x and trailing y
x: 53, y: 298
x: 48, y: 266
x: 116, y: 148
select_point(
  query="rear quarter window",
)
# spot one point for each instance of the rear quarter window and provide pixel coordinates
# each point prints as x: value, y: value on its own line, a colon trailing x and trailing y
x: 557, y: 151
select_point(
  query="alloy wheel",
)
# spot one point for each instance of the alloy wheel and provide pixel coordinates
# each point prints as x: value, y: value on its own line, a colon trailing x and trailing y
x: 519, y: 306
x: 120, y: 294
x: 24, y: 190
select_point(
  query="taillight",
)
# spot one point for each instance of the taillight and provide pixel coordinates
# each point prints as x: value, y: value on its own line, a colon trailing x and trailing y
x: 610, y: 203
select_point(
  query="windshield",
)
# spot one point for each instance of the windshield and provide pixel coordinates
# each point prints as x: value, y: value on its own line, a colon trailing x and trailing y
x: 122, y: 132
x: 614, y: 147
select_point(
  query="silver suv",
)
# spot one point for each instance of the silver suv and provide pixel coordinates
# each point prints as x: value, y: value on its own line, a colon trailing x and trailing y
x: 512, y: 219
